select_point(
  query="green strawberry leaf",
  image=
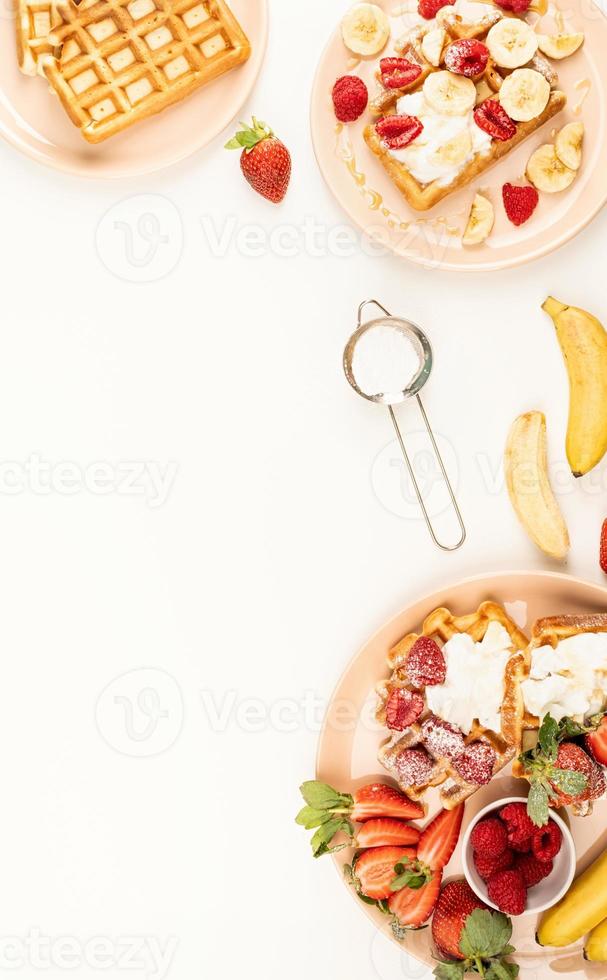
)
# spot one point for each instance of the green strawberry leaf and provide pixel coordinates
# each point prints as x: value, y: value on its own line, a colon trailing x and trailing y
x: 548, y: 738
x: 485, y: 934
x: 569, y: 782
x: 309, y: 818
x: 325, y: 834
x: 322, y: 797
x: 502, y: 970
x: 537, y: 804
x: 449, y: 971
x: 410, y: 874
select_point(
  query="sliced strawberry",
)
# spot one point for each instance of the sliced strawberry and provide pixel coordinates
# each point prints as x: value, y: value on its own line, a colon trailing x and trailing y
x: 519, y: 202
x: 492, y: 118
x: 398, y: 131
x: 385, y: 831
x: 411, y: 907
x: 467, y: 57
x: 438, y: 841
x: 425, y: 664
x: 398, y: 72
x: 429, y: 8
x: 603, y: 551
x: 374, y: 870
x: 379, y: 800
x: 403, y: 708
x: 476, y: 764
x: 456, y: 902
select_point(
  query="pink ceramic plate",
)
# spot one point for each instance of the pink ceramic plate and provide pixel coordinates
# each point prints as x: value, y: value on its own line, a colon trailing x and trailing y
x: 32, y: 119
x: 433, y: 238
x: 347, y: 756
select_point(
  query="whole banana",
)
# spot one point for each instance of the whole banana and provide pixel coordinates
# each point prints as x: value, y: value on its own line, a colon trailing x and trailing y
x: 582, y: 909
x: 595, y: 947
x: 583, y: 342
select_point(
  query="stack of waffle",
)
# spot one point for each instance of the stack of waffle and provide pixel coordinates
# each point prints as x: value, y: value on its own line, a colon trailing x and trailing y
x: 115, y: 62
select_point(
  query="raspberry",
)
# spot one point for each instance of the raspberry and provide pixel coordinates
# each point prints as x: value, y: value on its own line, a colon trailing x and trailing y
x: 532, y: 870
x: 486, y: 866
x: 516, y: 6
x: 443, y: 741
x: 425, y: 664
x: 398, y: 72
x: 476, y: 763
x: 403, y: 708
x: 547, y: 842
x: 506, y: 889
x: 493, y: 119
x: 519, y: 202
x: 519, y: 825
x: 603, y: 551
x: 413, y: 767
x: 468, y: 58
x: 397, y: 132
x: 430, y: 8
x: 350, y: 98
x: 489, y: 837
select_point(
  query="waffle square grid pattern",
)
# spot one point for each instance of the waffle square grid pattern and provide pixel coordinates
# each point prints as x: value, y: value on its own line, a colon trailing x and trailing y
x: 119, y: 61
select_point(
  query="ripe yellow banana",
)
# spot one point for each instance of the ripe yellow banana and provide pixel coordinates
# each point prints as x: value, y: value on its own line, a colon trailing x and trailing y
x: 595, y: 948
x: 583, y: 907
x: 583, y: 341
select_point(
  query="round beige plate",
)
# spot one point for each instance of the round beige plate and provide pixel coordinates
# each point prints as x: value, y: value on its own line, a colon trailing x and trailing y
x: 347, y: 756
x: 433, y: 238
x: 31, y: 118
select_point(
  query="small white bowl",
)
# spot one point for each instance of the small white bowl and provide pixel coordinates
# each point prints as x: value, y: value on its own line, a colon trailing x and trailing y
x: 549, y: 891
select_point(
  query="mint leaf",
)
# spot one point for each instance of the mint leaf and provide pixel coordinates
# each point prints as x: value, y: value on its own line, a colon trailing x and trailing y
x: 449, y: 971
x: 569, y: 782
x: 548, y: 738
x: 537, y: 804
x: 485, y: 934
x: 323, y: 797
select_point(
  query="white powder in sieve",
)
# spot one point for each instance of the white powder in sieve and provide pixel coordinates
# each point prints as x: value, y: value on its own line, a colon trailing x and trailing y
x: 385, y: 361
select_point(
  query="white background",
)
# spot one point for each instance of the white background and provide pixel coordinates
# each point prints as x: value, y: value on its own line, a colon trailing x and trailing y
x: 275, y: 554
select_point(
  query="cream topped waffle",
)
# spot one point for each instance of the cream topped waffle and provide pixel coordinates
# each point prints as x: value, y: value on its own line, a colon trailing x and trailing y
x: 467, y: 86
x: 453, y: 703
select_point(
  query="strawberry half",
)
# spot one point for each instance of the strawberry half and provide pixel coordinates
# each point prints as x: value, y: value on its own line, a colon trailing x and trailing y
x: 411, y: 907
x: 519, y: 202
x: 438, y: 841
x: 379, y: 800
x: 398, y: 131
x: 603, y: 551
x: 456, y: 902
x: 264, y: 161
x: 374, y: 870
x: 467, y: 57
x: 492, y: 118
x: 398, y: 72
x: 596, y: 742
x: 387, y: 832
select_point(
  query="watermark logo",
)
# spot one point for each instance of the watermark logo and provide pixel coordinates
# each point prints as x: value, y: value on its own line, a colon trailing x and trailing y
x: 140, y: 239
x: 392, y: 483
x: 140, y: 713
x: 151, y: 957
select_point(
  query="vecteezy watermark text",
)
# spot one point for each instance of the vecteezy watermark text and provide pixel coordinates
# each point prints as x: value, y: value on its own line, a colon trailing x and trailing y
x: 130, y: 478
x: 36, y: 951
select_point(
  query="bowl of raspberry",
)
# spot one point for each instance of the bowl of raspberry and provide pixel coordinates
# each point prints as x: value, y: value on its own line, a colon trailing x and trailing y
x: 514, y: 866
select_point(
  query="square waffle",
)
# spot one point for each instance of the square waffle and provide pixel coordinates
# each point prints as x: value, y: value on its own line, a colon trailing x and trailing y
x: 121, y: 61
x: 34, y: 20
x: 441, y: 626
x: 420, y: 196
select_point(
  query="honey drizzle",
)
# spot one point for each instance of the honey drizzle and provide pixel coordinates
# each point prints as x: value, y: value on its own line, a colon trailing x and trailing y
x: 583, y: 86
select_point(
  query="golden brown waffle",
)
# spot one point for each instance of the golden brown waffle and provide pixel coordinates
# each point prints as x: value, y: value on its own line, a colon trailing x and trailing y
x: 550, y: 632
x: 422, y: 197
x: 121, y: 61
x: 34, y: 20
x: 441, y: 625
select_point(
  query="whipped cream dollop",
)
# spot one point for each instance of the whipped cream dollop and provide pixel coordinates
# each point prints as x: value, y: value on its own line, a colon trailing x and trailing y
x: 569, y: 680
x: 470, y: 11
x: 437, y: 153
x: 474, y: 683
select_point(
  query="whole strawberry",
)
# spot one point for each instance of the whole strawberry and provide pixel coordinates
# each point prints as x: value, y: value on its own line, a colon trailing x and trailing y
x: 265, y: 160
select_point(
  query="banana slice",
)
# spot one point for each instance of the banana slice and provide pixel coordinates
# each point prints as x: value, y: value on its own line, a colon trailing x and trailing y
x: 512, y: 43
x: 433, y: 44
x: 365, y: 29
x: 560, y: 45
x: 547, y: 173
x: 451, y: 95
x: 524, y: 94
x: 568, y: 145
x: 456, y: 150
x: 480, y: 222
